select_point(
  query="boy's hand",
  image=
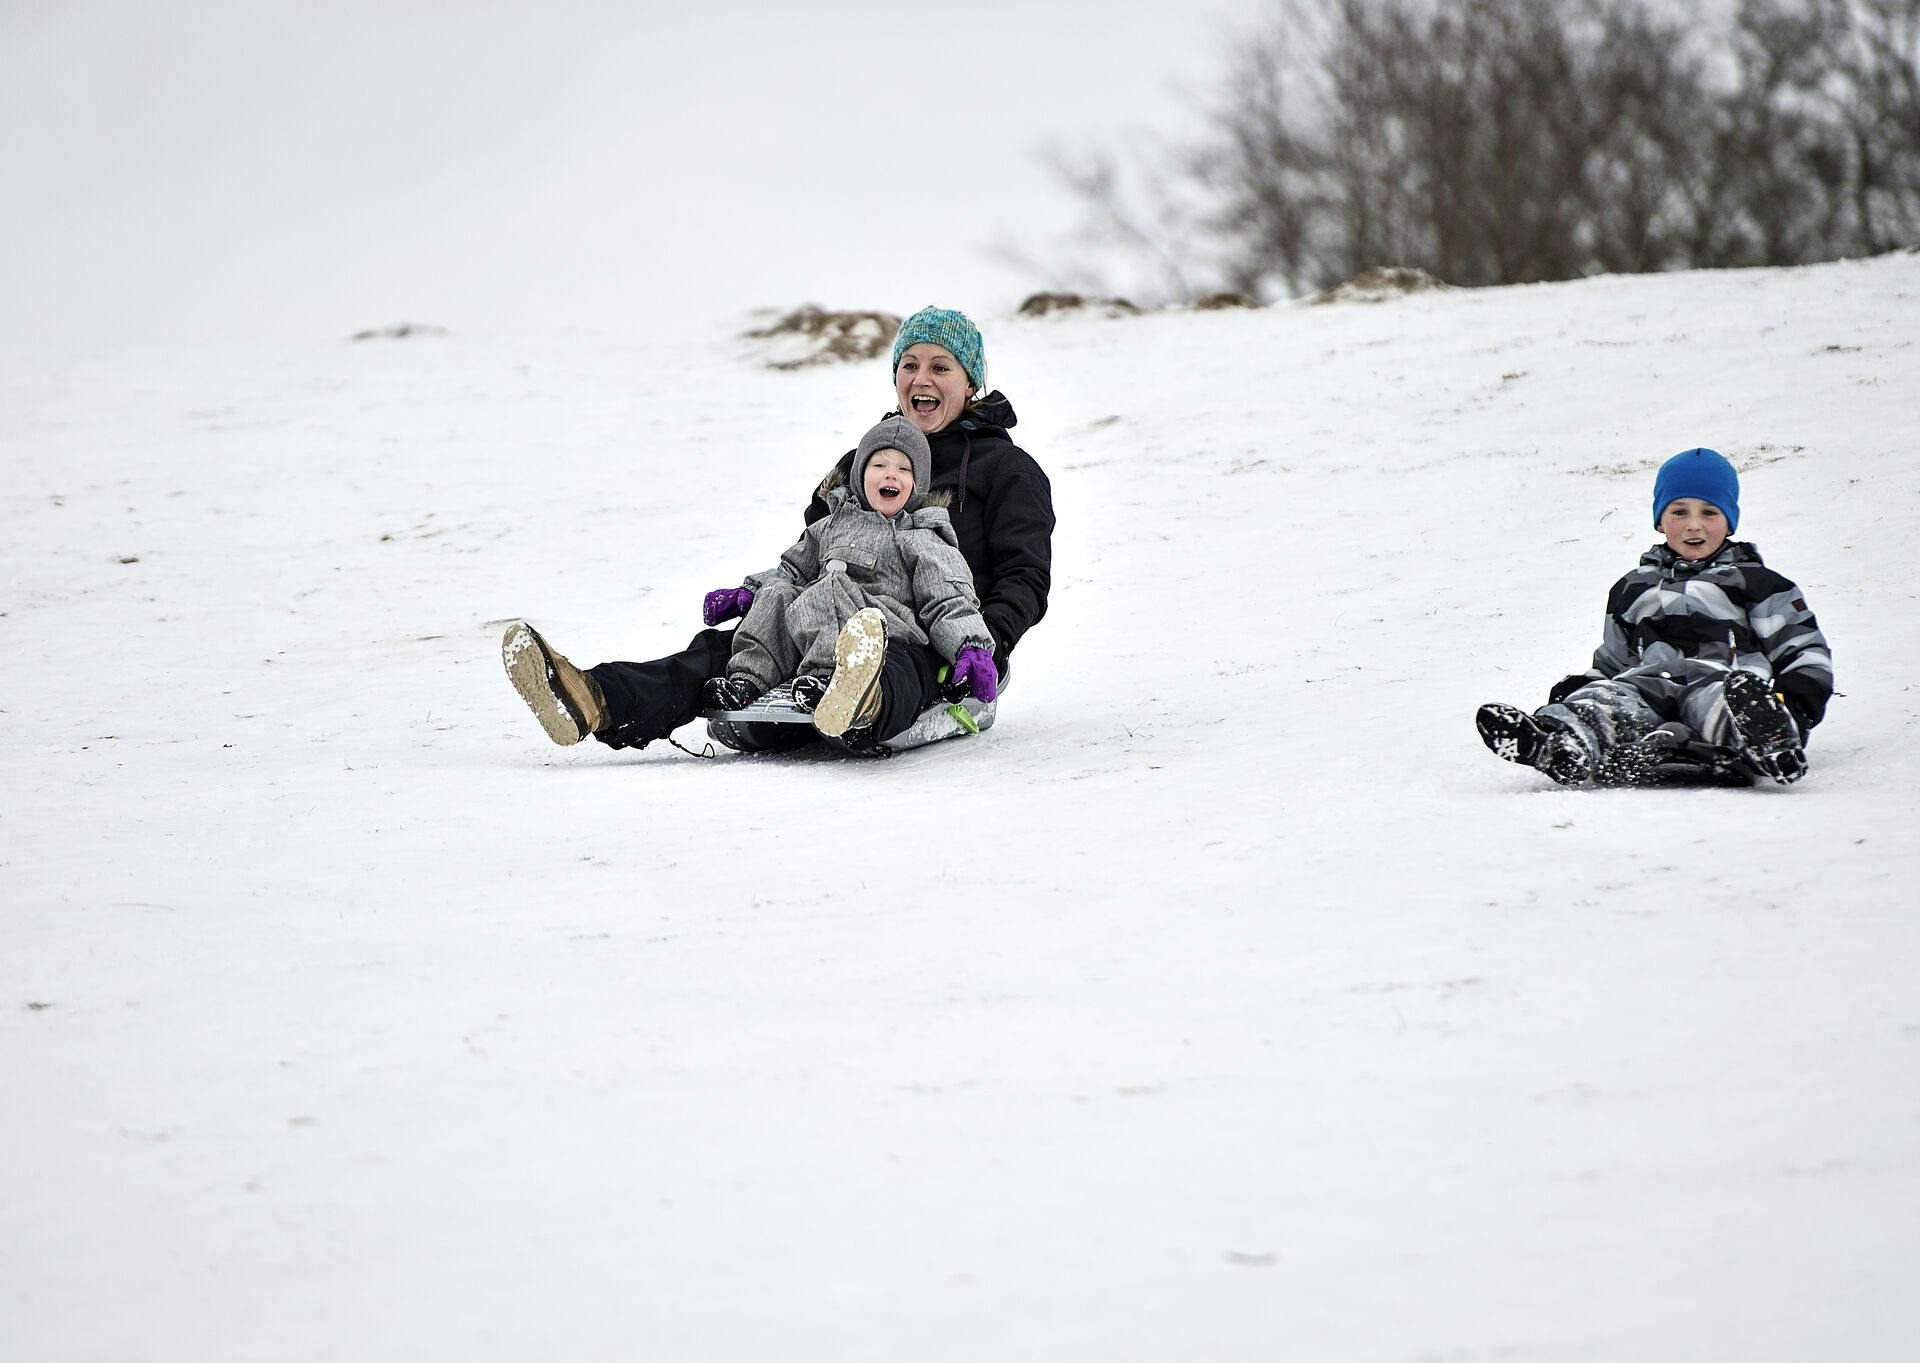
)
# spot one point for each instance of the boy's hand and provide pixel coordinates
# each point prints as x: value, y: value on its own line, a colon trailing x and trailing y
x: 725, y: 604
x: 974, y: 668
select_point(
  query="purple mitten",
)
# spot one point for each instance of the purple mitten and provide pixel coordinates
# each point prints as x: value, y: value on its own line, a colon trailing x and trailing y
x: 975, y: 667
x: 725, y: 604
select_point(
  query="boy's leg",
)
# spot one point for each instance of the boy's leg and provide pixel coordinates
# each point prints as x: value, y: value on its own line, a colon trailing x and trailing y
x: 1612, y: 716
x: 1739, y: 711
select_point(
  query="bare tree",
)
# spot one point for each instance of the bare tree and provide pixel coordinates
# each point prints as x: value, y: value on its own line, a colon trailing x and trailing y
x: 1499, y: 141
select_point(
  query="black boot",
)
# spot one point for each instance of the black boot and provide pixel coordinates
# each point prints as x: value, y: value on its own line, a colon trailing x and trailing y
x: 1552, y: 750
x: 1769, y: 739
x: 729, y: 693
x: 808, y: 692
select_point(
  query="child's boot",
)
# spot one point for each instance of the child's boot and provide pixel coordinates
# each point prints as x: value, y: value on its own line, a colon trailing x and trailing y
x: 852, y: 699
x: 565, y: 700
x: 807, y: 692
x: 729, y: 693
x: 1769, y: 739
x: 1639, y: 762
x: 1552, y: 750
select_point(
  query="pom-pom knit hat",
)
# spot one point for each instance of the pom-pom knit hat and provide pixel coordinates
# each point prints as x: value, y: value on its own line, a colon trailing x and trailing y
x: 945, y: 327
x: 1700, y: 473
x: 895, y: 433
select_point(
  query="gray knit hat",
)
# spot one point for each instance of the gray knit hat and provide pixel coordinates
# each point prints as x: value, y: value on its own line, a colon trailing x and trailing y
x: 894, y: 433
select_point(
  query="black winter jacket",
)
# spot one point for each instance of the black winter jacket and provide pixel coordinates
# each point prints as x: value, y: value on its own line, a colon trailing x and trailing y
x: 1002, y: 510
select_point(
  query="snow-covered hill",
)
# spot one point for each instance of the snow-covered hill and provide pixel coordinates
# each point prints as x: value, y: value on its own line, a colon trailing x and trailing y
x: 1226, y: 1001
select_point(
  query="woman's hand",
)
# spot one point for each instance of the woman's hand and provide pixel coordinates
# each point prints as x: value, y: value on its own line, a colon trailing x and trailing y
x: 725, y: 604
x: 974, y: 668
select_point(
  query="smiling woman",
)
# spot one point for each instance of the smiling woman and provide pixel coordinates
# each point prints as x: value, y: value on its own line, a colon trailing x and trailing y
x: 991, y: 500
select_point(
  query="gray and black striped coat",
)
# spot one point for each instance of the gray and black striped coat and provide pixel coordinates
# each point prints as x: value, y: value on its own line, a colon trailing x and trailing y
x: 1669, y: 616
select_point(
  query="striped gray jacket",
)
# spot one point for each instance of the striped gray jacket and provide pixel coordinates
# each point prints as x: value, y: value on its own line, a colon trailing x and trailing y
x: 1730, y: 609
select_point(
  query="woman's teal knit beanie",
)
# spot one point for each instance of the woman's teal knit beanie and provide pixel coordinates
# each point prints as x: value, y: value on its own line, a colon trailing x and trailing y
x: 945, y: 327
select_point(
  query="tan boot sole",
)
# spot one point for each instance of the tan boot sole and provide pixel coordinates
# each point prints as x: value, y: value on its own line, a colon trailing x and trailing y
x: 858, y: 655
x: 530, y: 668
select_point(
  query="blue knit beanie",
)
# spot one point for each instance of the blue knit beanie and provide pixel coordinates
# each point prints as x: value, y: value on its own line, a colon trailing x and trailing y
x: 1701, y: 473
x: 945, y: 327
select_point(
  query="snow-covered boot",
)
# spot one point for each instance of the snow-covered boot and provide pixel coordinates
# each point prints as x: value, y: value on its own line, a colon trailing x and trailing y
x: 852, y: 699
x: 1639, y: 762
x: 729, y: 693
x: 1550, y: 749
x: 1769, y: 739
x: 565, y: 700
x: 807, y: 692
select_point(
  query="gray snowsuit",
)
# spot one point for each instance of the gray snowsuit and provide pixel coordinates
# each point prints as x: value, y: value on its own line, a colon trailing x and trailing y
x: 908, y: 565
x: 1674, y: 631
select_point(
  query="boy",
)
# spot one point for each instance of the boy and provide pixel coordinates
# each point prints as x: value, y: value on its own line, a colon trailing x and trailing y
x: 880, y: 565
x: 1704, y: 645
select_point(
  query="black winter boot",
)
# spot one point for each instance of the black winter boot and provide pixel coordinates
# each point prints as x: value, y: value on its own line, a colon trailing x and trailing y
x: 808, y: 692
x: 1551, y: 750
x: 1769, y: 739
x: 729, y: 693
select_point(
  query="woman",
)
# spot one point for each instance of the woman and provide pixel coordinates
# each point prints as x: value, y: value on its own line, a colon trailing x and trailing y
x: 1002, y: 511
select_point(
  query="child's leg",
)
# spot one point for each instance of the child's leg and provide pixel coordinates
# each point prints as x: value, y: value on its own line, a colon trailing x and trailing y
x: 1609, y: 717
x: 764, y: 653
x: 1703, y: 708
x: 1738, y: 711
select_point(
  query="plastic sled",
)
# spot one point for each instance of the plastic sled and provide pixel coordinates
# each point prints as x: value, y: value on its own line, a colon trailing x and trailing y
x: 767, y: 725
x: 1684, y: 760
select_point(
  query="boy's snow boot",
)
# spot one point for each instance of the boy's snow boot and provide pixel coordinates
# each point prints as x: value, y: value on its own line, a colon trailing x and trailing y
x: 1553, y: 751
x: 807, y: 692
x: 729, y: 693
x: 852, y: 699
x: 565, y: 700
x: 1769, y: 739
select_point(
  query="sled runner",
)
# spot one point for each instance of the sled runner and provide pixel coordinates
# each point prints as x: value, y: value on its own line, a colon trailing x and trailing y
x: 961, y: 717
x: 1672, y: 756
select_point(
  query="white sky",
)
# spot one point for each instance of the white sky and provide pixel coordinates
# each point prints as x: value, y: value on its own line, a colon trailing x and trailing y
x: 252, y: 170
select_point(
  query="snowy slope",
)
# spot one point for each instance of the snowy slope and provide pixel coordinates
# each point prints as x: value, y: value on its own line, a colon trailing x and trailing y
x: 1227, y: 1001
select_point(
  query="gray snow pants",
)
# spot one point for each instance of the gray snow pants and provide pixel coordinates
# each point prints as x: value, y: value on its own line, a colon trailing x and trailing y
x: 1614, y: 711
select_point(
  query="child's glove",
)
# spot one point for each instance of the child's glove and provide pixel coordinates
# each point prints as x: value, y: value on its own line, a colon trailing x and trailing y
x: 974, y: 668
x: 725, y: 604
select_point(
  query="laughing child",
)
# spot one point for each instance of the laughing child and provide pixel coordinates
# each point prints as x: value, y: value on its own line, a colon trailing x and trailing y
x: 1705, y: 646
x: 881, y: 565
